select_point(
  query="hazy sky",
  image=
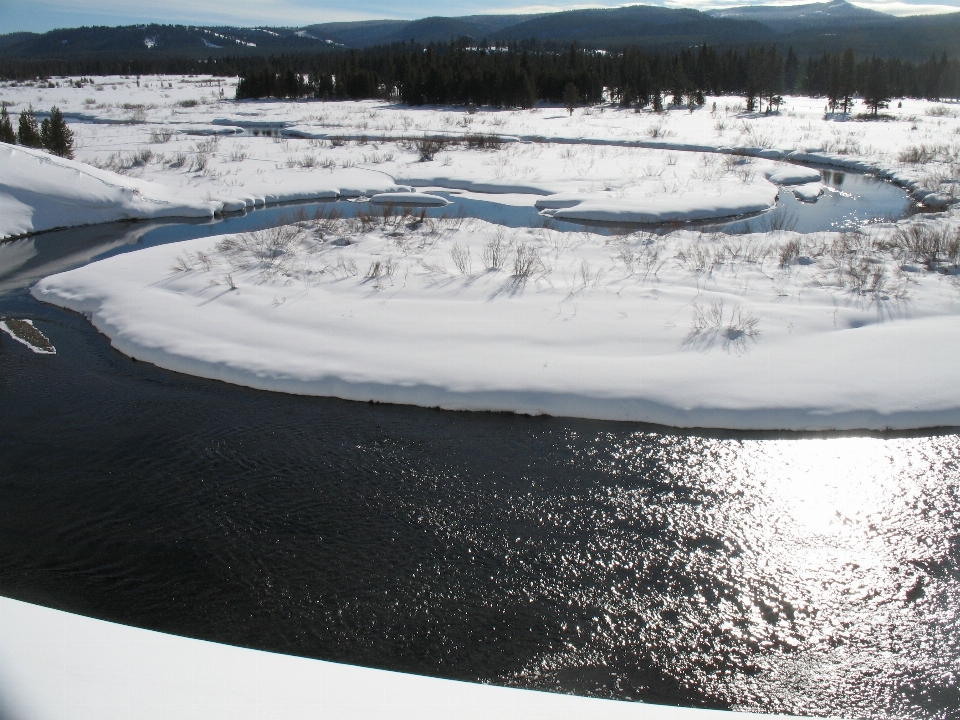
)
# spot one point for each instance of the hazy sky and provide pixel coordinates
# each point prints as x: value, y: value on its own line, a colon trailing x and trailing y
x: 41, y: 15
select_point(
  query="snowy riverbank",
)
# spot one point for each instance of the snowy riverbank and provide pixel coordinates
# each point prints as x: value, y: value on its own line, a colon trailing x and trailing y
x: 54, y: 665
x: 764, y: 331
x: 850, y: 328
x: 598, y: 164
x: 40, y: 192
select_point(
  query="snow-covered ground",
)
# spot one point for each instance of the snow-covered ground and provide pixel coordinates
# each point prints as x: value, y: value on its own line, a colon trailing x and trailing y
x: 684, y: 327
x: 42, y: 192
x: 58, y: 666
x: 605, y: 163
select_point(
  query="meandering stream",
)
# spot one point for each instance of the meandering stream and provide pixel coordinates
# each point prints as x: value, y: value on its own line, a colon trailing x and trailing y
x: 797, y: 573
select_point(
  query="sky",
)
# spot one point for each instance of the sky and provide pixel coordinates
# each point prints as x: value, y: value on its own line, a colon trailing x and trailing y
x: 43, y: 15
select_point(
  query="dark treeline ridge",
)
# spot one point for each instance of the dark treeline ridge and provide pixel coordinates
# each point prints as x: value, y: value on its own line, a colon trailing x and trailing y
x: 457, y: 74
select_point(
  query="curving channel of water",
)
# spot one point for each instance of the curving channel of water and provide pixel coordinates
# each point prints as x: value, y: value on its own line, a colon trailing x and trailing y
x: 795, y: 573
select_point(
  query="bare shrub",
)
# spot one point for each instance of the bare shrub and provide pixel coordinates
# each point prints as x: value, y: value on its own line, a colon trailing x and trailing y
x: 209, y: 145
x: 932, y: 245
x: 161, y: 135
x: 479, y: 141
x: 919, y: 154
x: 141, y: 157
x: 381, y: 270
x: 345, y: 267
x: 709, y: 318
x: 495, y: 251
x: 200, y: 162
x: 526, y: 260
x: 269, y: 251
x: 657, y: 130
x: 709, y: 324
x: 461, y: 258
x: 238, y: 155
x: 427, y: 147
x: 941, y: 111
x: 789, y: 252
x: 188, y: 103
x: 741, y: 327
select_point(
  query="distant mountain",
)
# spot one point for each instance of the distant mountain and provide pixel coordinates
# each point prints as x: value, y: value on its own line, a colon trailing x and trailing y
x: 426, y: 30
x: 167, y: 40
x: 810, y: 28
x: 787, y: 18
x: 643, y: 24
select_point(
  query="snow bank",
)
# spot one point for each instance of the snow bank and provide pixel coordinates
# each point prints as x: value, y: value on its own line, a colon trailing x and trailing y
x: 58, y: 666
x: 409, y: 198
x: 254, y: 187
x: 729, y: 199
x: 41, y: 192
x: 688, y: 331
x: 792, y: 175
x: 808, y: 192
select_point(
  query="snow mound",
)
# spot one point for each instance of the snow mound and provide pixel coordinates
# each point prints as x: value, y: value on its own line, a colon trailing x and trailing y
x: 41, y: 192
x: 560, y: 325
x: 808, y: 192
x: 409, y: 198
x: 696, y: 202
x: 60, y: 666
x: 793, y: 175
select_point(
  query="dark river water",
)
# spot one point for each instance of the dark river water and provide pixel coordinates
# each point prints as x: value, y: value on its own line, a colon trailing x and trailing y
x: 797, y: 573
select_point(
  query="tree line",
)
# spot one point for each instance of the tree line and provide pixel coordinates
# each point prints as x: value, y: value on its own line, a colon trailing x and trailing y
x: 52, y: 134
x: 458, y: 74
x: 521, y: 74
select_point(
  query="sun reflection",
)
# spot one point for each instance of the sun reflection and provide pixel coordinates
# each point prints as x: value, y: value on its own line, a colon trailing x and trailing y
x: 748, y: 570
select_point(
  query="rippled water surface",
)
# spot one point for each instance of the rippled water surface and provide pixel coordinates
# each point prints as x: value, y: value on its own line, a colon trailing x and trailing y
x: 799, y: 574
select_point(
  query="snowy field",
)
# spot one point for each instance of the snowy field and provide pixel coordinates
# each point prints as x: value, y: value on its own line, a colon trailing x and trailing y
x: 58, y: 666
x: 671, y: 323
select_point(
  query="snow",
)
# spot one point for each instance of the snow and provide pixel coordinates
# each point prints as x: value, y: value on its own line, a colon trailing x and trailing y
x: 409, y: 198
x: 688, y: 329
x: 808, y: 192
x: 792, y: 175
x: 41, y: 192
x: 724, y: 199
x: 683, y: 327
x: 59, y: 666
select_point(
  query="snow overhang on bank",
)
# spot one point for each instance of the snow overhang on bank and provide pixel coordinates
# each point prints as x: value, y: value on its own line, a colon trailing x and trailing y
x: 40, y: 192
x: 59, y: 666
x: 632, y: 331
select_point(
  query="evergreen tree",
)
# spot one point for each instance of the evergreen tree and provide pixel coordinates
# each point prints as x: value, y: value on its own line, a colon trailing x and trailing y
x: 833, y: 89
x: 847, y: 81
x: 571, y: 97
x: 877, y: 95
x: 55, y: 135
x: 28, y: 133
x: 6, y: 129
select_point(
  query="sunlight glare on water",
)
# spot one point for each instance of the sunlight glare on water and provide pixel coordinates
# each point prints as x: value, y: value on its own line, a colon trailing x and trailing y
x: 793, y: 575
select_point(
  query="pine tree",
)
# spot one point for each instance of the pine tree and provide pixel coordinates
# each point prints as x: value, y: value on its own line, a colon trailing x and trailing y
x: 877, y: 96
x: 571, y: 97
x: 28, y: 133
x: 6, y: 129
x: 848, y: 80
x: 55, y: 135
x: 833, y: 91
